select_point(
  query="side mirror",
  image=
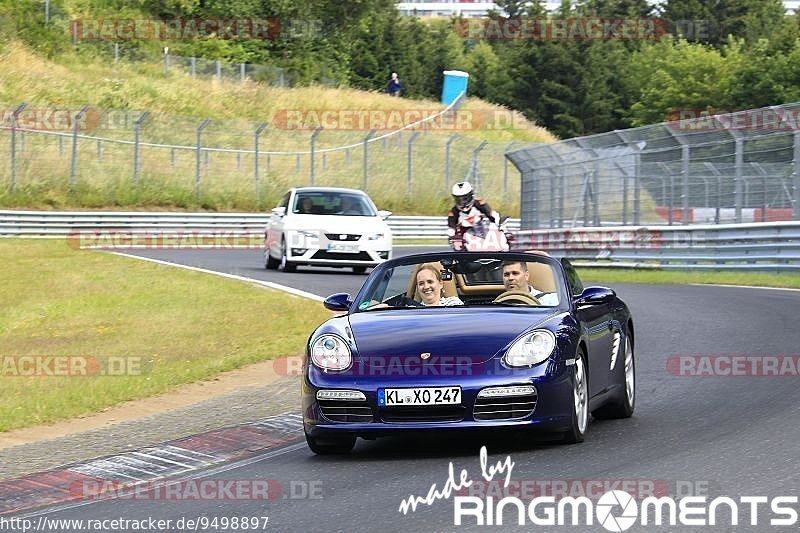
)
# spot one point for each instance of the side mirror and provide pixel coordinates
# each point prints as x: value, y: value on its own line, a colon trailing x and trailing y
x: 279, y: 211
x: 595, y: 296
x: 384, y: 214
x: 338, y: 302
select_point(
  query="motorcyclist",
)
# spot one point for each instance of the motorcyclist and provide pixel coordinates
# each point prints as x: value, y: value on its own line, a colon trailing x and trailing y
x: 467, y: 212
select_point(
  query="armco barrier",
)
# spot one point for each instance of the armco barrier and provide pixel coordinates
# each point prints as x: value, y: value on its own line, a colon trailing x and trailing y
x: 59, y: 223
x: 762, y: 246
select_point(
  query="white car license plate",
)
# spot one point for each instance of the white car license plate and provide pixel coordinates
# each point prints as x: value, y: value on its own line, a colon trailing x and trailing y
x: 343, y: 248
x: 419, y: 396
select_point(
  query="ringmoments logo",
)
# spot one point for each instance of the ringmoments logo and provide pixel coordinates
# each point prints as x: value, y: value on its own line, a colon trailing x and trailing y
x: 615, y: 510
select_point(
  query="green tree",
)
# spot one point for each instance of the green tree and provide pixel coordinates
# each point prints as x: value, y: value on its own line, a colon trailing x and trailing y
x: 671, y: 75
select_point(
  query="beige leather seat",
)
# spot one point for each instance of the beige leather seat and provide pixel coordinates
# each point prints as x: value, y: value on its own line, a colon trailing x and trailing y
x: 448, y: 286
x: 540, y: 275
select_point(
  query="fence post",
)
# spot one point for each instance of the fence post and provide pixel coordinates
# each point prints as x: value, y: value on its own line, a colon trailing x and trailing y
x: 411, y: 139
x: 313, y: 152
x: 116, y: 52
x: 685, y: 189
x: 193, y: 61
x: 259, y: 130
x: 14, y: 116
x: 242, y: 71
x: 452, y: 138
x: 796, y: 175
x: 218, y: 65
x: 718, y: 175
x: 505, y: 169
x: 73, y: 166
x: 474, y: 171
x: 198, y: 165
x: 136, y: 127
x: 366, y: 158
x: 553, y: 185
x: 166, y: 60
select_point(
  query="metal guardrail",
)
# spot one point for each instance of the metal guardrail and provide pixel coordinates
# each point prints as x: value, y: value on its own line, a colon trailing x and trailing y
x: 61, y: 223
x: 763, y: 246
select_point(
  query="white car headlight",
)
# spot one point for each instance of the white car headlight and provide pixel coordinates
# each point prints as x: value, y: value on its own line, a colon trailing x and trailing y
x: 375, y: 236
x: 331, y: 352
x: 531, y: 349
x: 309, y: 234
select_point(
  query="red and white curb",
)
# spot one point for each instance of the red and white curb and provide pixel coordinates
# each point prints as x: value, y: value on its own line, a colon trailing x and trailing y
x: 176, y: 457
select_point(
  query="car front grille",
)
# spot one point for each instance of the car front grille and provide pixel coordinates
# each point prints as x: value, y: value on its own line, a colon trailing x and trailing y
x: 338, y: 256
x: 504, y: 408
x: 342, y: 237
x: 346, y: 411
x: 423, y: 413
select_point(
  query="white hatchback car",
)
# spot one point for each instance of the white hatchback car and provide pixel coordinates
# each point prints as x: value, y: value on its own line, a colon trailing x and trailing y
x: 327, y: 226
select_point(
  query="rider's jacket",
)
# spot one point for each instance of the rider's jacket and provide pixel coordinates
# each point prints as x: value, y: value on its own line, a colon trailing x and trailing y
x: 458, y: 220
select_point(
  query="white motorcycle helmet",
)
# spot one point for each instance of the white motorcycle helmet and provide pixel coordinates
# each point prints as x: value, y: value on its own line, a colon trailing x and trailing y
x: 463, y: 195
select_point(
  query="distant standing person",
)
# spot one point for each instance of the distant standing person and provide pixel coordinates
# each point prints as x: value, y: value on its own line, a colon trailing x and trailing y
x: 395, y: 85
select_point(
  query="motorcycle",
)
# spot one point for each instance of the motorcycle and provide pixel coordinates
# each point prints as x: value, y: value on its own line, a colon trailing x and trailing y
x: 484, y: 235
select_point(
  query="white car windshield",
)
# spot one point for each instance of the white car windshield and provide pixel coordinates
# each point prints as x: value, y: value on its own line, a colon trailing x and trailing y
x: 342, y: 204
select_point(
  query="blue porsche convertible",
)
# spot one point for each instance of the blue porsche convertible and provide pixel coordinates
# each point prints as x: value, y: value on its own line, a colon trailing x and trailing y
x: 468, y: 340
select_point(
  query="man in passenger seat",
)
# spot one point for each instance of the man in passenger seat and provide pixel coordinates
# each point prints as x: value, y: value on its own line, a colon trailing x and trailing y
x: 516, y: 278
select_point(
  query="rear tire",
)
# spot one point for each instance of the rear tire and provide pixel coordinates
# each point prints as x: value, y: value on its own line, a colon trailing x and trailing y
x: 270, y: 263
x: 624, y: 406
x: 331, y: 446
x: 580, y: 402
x: 285, y: 265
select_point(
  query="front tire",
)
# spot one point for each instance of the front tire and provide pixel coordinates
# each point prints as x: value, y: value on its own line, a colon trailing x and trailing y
x: 331, y: 446
x: 285, y: 265
x: 359, y: 269
x: 623, y: 408
x: 580, y: 402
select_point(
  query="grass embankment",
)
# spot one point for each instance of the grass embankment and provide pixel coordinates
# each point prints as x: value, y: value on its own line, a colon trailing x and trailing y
x: 167, y: 325
x: 620, y: 275
x: 178, y: 103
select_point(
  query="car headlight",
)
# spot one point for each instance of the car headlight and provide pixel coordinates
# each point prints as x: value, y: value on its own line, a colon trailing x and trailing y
x: 376, y: 236
x: 531, y: 349
x: 331, y: 352
x: 309, y: 234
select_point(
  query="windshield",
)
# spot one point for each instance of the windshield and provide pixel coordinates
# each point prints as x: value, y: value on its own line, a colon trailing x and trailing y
x: 333, y: 203
x: 459, y: 280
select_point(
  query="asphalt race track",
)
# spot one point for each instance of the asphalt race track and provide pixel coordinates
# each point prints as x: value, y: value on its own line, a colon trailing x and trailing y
x: 723, y: 435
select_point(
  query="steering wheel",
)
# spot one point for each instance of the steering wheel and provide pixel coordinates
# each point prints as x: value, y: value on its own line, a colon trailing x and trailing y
x: 524, y: 297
